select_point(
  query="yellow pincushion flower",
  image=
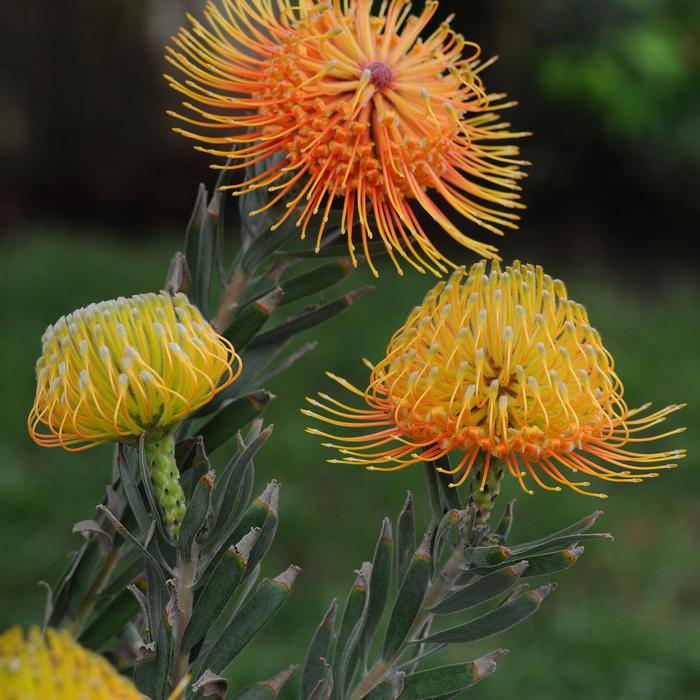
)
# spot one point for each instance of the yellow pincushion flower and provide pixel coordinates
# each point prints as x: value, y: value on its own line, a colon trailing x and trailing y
x: 58, y: 668
x: 363, y: 111
x: 117, y: 369
x: 502, y: 364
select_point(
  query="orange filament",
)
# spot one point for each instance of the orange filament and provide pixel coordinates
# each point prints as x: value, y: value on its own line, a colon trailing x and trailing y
x: 360, y: 108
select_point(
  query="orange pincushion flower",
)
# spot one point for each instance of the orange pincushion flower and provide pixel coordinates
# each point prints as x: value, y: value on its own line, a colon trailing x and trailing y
x: 504, y: 365
x: 363, y: 111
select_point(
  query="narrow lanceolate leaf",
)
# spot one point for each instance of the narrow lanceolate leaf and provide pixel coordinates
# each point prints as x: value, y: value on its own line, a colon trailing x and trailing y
x: 228, y: 487
x: 314, y: 664
x: 198, y: 464
x: 486, y: 556
x: 223, y: 426
x: 251, y: 318
x: 218, y: 590
x: 557, y: 542
x: 110, y: 621
x: 308, y: 318
x: 153, y: 664
x: 262, y: 514
x: 200, y: 249
x: 409, y: 599
x: 375, y: 248
x: 131, y: 490
x: 503, y: 528
x: 379, y: 582
x: 405, y: 538
x: 269, y: 689
x: 448, y: 493
x: 431, y: 482
x: 260, y: 608
x: 449, y: 520
x: 576, y: 528
x: 447, y: 680
x: 389, y: 689
x: 324, y: 688
x: 264, y: 245
x: 196, y: 514
x: 545, y: 564
x: 495, y: 621
x: 354, y: 615
x: 482, y: 589
x: 315, y: 280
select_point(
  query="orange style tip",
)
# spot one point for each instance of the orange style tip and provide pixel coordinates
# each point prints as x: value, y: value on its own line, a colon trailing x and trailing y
x: 601, y: 495
x: 371, y: 469
x: 449, y: 486
x: 557, y: 488
x: 530, y: 493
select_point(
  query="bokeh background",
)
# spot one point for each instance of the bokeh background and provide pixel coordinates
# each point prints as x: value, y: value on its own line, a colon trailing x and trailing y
x: 94, y: 195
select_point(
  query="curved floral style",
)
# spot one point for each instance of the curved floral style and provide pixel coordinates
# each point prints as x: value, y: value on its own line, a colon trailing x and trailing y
x: 503, y: 364
x: 365, y: 113
x: 114, y: 370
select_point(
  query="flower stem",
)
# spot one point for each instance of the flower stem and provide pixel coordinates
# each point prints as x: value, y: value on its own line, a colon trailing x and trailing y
x: 384, y: 667
x: 185, y: 574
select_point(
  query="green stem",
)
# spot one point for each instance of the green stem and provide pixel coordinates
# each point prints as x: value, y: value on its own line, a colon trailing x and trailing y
x: 160, y: 456
x: 185, y: 575
x: 384, y: 667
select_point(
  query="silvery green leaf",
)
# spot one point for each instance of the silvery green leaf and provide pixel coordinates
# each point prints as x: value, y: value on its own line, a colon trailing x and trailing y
x: 405, y: 537
x: 562, y: 537
x: 545, y: 564
x: 409, y: 599
x: 315, y: 664
x: 482, y: 589
x: 379, y: 584
x: 437, y: 682
x: 495, y: 621
x: 260, y: 608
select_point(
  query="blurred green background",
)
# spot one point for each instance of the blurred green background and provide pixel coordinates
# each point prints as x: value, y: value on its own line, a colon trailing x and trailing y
x: 94, y: 195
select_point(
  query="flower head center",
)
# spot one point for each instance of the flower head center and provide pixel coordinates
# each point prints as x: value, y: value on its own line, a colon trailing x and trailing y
x: 380, y: 74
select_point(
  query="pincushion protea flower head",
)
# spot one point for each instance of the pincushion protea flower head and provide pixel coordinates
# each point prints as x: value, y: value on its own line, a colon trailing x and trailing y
x: 364, y: 111
x: 503, y: 365
x: 58, y: 668
x: 117, y: 369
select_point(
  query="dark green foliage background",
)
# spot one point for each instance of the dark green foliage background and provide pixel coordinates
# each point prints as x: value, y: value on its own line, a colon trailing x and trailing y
x: 624, y: 622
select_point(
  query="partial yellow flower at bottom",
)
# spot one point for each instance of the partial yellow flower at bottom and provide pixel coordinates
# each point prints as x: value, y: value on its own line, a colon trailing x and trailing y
x: 56, y: 667
x: 501, y: 364
x: 120, y: 369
